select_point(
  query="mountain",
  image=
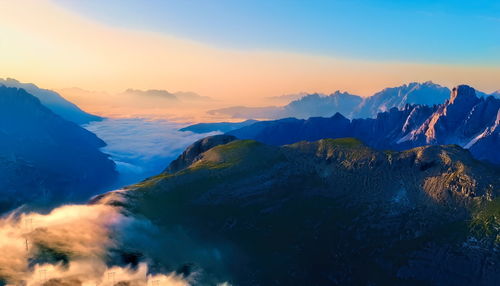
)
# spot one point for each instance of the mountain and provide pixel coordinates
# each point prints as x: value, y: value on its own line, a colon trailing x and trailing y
x: 40, y: 148
x: 464, y: 119
x: 193, y: 152
x: 351, y: 106
x: 330, y: 212
x: 53, y: 101
x: 485, y: 94
x: 308, y: 105
x: 216, y: 127
x: 318, y: 105
x: 427, y: 93
x: 164, y: 94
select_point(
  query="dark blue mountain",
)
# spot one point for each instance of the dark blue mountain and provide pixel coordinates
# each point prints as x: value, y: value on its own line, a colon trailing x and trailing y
x: 47, y: 157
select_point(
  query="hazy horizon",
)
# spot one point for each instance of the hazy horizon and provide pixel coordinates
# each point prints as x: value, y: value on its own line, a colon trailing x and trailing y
x: 109, y: 48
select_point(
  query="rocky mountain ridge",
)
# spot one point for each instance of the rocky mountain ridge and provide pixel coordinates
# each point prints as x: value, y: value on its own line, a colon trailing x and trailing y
x: 350, y: 105
x: 328, y: 212
x: 464, y: 119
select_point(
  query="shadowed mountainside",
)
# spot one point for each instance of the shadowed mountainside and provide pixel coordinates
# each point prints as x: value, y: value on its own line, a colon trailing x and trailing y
x: 53, y: 101
x: 46, y: 157
x: 331, y: 212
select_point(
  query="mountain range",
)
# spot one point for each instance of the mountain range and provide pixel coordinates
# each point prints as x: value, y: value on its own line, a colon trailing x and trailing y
x: 405, y: 202
x: 464, y: 119
x: 351, y: 106
x: 45, y: 157
x: 330, y: 212
x: 164, y: 94
x: 53, y: 101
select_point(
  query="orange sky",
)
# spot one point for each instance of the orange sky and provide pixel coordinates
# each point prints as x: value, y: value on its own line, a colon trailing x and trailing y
x: 54, y: 48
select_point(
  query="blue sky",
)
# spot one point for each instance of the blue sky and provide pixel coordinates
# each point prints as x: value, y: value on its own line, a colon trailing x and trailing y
x: 452, y: 32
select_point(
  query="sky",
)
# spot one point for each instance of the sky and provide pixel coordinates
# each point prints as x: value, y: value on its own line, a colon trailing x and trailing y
x: 242, y: 52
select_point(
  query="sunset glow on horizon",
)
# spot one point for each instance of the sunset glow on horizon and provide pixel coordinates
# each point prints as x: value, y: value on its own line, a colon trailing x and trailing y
x: 57, y: 47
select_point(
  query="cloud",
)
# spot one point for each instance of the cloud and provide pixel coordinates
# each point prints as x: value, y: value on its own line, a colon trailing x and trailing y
x: 73, y: 244
x: 286, y: 98
x: 97, y: 273
x: 246, y: 112
x: 141, y: 147
x: 98, y: 244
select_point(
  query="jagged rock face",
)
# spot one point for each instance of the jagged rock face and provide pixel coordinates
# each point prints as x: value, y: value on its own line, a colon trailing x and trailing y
x: 193, y: 152
x: 65, y: 154
x: 451, y: 115
x: 330, y: 212
x: 464, y: 119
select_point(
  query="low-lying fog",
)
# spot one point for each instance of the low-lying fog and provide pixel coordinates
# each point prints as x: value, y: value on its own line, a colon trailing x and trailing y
x: 142, y: 147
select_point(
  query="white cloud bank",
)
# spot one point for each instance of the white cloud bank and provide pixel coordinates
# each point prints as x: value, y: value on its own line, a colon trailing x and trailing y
x: 82, y: 245
x: 140, y: 147
x: 80, y: 235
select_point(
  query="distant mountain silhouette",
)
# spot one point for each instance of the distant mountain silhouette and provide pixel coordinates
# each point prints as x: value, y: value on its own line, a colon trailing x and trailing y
x: 53, y: 101
x: 427, y: 93
x: 318, y: 105
x: 164, y: 94
x: 464, y: 119
x: 47, y: 157
x: 308, y: 105
x: 351, y: 106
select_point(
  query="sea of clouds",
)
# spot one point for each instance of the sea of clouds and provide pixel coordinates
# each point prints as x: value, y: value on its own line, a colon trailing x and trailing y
x: 142, y: 147
x: 86, y: 244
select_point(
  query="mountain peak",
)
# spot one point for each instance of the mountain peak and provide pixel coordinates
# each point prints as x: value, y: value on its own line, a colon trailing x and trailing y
x: 462, y: 92
x: 193, y: 152
x: 338, y: 116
